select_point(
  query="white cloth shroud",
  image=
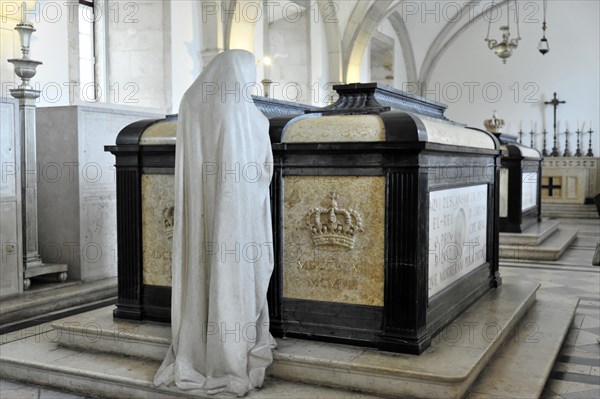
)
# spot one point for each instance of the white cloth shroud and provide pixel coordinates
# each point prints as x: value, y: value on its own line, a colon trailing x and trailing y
x: 222, y: 238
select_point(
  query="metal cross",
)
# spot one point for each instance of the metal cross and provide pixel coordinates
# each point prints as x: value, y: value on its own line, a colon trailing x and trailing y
x: 555, y: 103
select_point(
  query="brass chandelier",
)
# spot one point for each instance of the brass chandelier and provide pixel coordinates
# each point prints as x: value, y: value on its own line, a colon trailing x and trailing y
x: 505, y: 47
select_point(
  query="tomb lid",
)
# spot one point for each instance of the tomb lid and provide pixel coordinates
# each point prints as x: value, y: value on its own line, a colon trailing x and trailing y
x: 372, y: 112
x: 161, y: 132
x: 164, y: 131
x: 390, y: 126
x: 514, y: 149
x: 362, y: 98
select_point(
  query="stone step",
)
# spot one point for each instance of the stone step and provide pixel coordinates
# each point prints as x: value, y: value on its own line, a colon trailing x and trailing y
x: 54, y: 297
x: 550, y: 249
x: 55, y: 315
x: 531, y: 352
x: 116, y: 377
x: 533, y: 235
x: 447, y: 369
x: 570, y: 211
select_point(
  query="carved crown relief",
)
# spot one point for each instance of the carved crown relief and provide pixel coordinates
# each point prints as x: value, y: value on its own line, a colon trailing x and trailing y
x: 169, y: 216
x: 334, y: 226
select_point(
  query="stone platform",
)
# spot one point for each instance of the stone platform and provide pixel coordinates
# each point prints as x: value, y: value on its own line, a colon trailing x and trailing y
x: 46, y: 298
x: 577, y: 211
x: 546, y: 240
x: 92, y: 354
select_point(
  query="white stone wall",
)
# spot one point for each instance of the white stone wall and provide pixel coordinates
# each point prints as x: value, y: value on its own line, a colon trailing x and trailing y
x: 289, y: 49
x: 139, y: 53
x: 76, y: 186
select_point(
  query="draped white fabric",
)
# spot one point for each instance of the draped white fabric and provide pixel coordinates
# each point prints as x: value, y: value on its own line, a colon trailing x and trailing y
x: 222, y: 239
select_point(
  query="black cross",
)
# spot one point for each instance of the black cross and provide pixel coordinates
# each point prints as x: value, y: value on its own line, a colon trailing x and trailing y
x: 555, y: 102
x: 551, y: 186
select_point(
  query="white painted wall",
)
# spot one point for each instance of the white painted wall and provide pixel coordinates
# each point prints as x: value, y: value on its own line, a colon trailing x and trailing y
x: 518, y: 89
x: 185, y: 60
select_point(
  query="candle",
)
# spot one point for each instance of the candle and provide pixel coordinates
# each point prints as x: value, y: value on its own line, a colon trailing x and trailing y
x: 532, y: 126
x: 583, y: 127
x: 23, y: 12
x: 577, y: 124
x: 567, y: 123
x: 521, y: 125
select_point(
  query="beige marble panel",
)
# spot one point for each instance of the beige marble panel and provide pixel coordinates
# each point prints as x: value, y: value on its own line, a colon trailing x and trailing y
x: 346, y: 267
x: 335, y: 128
x: 160, y: 133
x: 157, y: 228
x: 449, y: 134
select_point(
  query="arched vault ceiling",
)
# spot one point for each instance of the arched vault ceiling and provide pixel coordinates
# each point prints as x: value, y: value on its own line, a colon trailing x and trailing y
x: 366, y: 17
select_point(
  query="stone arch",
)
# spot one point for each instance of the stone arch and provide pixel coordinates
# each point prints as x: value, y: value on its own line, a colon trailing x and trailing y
x: 240, y: 24
x: 363, y: 21
x: 401, y: 30
x: 334, y: 42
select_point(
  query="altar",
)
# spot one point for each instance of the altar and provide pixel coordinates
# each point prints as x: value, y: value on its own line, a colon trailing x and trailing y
x: 570, y: 180
x: 384, y: 219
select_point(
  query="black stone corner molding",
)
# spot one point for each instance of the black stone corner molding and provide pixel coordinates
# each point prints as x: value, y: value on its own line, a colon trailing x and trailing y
x: 375, y: 98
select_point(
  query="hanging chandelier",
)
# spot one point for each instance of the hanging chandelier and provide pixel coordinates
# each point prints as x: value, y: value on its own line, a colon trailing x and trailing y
x: 544, y: 47
x: 504, y: 48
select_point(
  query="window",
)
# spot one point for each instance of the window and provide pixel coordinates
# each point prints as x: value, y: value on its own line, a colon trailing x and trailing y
x: 87, y: 52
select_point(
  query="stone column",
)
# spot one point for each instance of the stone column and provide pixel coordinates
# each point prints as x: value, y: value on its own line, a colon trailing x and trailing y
x: 27, y: 99
x: 25, y: 68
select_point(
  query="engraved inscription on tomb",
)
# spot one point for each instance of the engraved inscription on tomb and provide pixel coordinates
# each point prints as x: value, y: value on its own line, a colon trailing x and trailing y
x: 457, y: 234
x: 334, y: 238
x: 529, y: 190
x: 157, y: 228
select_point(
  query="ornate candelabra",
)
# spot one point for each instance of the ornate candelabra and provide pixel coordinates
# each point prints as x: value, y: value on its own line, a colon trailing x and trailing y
x: 25, y: 68
x: 567, y: 153
x: 267, y: 87
x: 590, y: 153
x: 531, y: 134
x: 554, y: 152
x: 544, y: 151
x: 578, y: 150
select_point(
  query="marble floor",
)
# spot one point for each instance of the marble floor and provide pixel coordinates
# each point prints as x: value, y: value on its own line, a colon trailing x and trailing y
x: 576, y: 373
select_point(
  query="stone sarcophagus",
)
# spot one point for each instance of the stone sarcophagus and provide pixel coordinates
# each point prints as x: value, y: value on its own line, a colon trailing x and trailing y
x: 145, y: 165
x: 520, y: 186
x: 385, y: 220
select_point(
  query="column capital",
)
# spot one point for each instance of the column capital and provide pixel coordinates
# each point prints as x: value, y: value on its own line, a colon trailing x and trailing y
x: 25, y: 94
